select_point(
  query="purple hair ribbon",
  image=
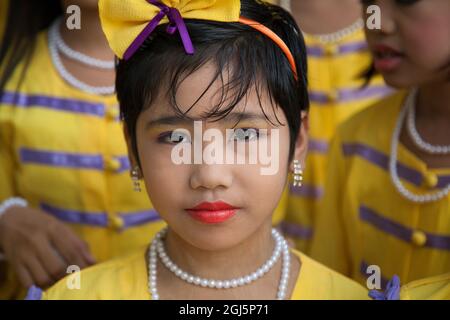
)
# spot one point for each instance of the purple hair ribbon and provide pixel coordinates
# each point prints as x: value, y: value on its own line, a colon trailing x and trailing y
x: 176, y: 22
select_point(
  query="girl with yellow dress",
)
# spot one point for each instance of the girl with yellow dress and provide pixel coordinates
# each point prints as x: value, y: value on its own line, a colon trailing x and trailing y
x: 387, y: 201
x: 338, y: 56
x: 228, y: 65
x: 65, y: 195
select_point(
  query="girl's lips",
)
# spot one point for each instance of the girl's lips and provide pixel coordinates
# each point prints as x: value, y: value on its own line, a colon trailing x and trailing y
x: 386, y: 59
x: 212, y: 212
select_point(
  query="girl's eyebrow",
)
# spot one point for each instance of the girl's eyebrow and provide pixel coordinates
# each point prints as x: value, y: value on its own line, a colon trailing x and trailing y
x: 179, y: 120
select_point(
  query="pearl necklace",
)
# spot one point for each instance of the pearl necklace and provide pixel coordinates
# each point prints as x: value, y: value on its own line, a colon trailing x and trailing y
x: 425, y: 198
x: 414, y: 134
x: 333, y: 37
x: 79, y: 56
x: 157, y: 250
x: 65, y: 74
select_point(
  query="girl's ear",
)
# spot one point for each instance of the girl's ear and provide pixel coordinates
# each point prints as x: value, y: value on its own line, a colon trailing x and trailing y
x: 131, y: 156
x: 301, y: 147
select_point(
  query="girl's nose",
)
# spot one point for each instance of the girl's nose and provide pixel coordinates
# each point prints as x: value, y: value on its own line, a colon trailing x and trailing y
x: 388, y: 24
x: 211, y: 176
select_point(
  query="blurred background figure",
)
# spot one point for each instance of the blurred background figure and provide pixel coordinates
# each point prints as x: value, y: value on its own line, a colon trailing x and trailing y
x: 387, y: 195
x: 338, y: 57
x: 66, y: 197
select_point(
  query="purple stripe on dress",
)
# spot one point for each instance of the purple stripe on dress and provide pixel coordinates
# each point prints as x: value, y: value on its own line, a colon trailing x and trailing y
x: 353, y: 47
x: 348, y: 95
x: 318, y: 97
x: 124, y: 163
x: 380, y: 159
x: 318, y: 52
x: 139, y: 218
x: 363, y: 270
x: 384, y: 224
x: 400, y: 231
x: 315, y: 51
x: 319, y: 146
x: 307, y: 191
x: 99, y: 219
x: 61, y: 159
x: 34, y: 293
x: 443, y: 182
x: 61, y: 104
x: 295, y: 230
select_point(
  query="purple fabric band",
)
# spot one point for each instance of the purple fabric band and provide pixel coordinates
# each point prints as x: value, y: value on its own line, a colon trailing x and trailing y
x: 34, y: 293
x: 319, y: 146
x: 307, y: 191
x: 354, y: 47
x: 176, y: 22
x: 70, y: 160
x: 392, y: 291
x: 61, y: 104
x: 296, y: 230
x: 101, y: 219
x: 382, y: 160
x: 435, y: 241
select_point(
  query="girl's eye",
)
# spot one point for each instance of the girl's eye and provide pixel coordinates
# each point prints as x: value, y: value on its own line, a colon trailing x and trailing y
x: 174, y: 137
x: 246, y: 134
x: 406, y: 2
x: 367, y: 2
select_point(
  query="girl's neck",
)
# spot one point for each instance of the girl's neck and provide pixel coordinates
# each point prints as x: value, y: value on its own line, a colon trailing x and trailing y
x: 311, y: 14
x: 234, y: 262
x: 434, y: 101
x: 432, y: 122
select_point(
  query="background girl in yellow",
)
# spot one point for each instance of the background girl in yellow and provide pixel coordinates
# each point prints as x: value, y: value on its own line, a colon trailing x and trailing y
x: 62, y: 149
x: 228, y: 75
x: 338, y: 56
x: 387, y: 199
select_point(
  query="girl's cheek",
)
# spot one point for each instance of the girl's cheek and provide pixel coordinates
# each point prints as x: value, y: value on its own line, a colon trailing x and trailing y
x: 428, y: 41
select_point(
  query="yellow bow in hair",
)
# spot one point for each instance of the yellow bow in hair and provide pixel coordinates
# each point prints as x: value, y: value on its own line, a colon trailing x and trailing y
x: 128, y: 23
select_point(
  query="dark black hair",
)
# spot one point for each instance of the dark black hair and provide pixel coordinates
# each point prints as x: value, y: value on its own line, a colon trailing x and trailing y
x: 251, y: 58
x: 24, y: 20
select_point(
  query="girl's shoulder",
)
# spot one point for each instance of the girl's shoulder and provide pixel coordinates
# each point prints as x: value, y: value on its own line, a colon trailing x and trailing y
x: 318, y: 282
x: 123, y: 278
x: 433, y: 288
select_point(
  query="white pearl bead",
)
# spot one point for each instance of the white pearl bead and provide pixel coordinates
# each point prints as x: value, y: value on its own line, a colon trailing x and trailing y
x: 157, y: 246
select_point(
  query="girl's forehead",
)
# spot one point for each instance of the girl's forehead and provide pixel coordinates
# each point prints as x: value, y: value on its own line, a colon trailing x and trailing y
x: 203, y: 91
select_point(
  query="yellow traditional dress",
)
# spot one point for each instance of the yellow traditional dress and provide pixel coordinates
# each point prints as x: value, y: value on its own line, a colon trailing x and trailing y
x: 336, y: 92
x: 63, y: 150
x: 126, y: 278
x: 365, y: 221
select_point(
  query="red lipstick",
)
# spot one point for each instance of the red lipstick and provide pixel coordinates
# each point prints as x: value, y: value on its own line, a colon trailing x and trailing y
x: 386, y: 59
x: 212, y: 212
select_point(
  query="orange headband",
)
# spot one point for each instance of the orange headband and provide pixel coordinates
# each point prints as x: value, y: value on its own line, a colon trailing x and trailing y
x: 275, y: 38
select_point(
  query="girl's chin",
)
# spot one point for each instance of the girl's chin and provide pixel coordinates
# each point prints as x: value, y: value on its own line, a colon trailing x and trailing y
x: 398, y: 81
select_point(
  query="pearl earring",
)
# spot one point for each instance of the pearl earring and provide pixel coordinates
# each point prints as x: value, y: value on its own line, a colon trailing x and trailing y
x: 135, y: 177
x: 298, y: 174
